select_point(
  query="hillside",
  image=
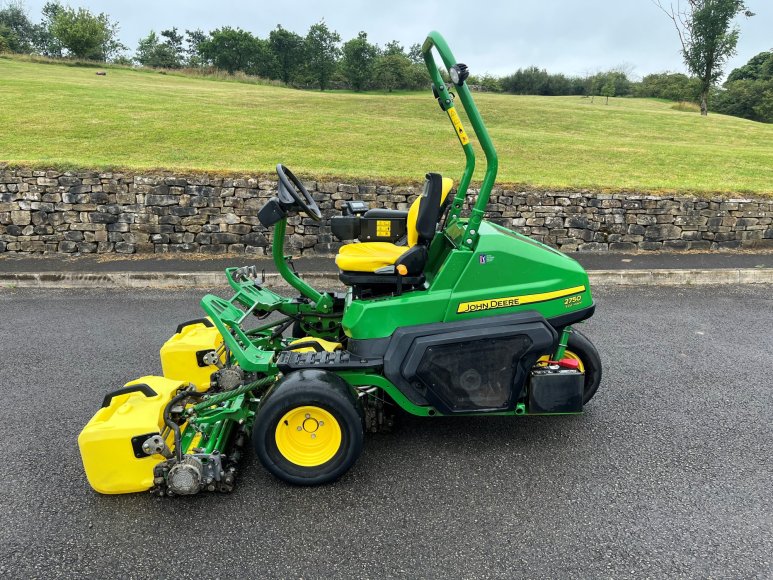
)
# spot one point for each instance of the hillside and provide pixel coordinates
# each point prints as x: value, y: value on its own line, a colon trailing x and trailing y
x: 66, y: 116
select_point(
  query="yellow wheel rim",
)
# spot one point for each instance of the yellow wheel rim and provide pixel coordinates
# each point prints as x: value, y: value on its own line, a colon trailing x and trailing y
x: 567, y: 354
x: 308, y: 436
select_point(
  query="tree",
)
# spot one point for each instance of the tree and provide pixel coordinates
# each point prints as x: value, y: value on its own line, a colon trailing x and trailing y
x: 174, y: 43
x: 616, y: 77
x: 707, y: 36
x: 262, y: 63
x: 287, y: 49
x: 358, y: 57
x: 759, y: 67
x: 45, y: 42
x: 671, y: 86
x: 750, y: 99
x: 16, y: 30
x: 748, y: 90
x: 234, y: 49
x: 608, y: 90
x: 391, y: 70
x: 415, y: 54
x: 194, y: 39
x: 322, y: 52
x: 86, y: 35
x: 153, y: 53
x: 393, y: 47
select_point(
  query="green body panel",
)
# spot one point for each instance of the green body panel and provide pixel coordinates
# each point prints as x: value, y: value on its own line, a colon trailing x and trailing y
x: 507, y: 265
x: 504, y: 265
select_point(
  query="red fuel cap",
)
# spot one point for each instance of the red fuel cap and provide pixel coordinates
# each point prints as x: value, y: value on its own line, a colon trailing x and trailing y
x: 567, y: 363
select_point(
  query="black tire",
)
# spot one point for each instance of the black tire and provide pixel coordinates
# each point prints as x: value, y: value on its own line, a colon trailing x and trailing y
x: 331, y: 397
x: 581, y: 345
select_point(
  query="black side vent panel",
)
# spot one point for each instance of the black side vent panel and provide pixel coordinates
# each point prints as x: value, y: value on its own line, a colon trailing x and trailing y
x: 468, y: 366
x: 475, y: 374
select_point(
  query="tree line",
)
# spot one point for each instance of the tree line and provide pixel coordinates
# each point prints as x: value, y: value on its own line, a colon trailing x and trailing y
x: 319, y: 59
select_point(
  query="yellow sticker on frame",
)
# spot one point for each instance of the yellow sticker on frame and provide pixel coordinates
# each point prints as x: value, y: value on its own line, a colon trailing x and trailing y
x: 383, y: 228
x: 454, y: 116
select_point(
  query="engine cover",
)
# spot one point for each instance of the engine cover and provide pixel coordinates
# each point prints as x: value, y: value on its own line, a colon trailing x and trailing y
x: 475, y: 365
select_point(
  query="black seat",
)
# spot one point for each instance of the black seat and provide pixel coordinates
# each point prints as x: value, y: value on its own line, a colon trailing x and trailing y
x: 407, y: 272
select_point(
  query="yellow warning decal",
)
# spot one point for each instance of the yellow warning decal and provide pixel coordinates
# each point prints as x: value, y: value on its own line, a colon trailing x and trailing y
x: 454, y: 116
x: 383, y: 228
x: 507, y: 302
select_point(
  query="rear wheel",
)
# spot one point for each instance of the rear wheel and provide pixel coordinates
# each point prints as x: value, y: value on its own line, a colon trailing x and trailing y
x: 581, y: 349
x: 309, y: 430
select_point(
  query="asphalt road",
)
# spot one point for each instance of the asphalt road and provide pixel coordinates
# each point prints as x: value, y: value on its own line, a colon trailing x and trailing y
x: 12, y: 262
x: 667, y: 474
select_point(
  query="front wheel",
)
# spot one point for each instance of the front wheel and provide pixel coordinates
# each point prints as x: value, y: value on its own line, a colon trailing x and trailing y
x: 309, y: 429
x: 580, y: 348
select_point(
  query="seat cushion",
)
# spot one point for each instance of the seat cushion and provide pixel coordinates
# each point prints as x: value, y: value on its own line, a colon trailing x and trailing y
x: 368, y: 256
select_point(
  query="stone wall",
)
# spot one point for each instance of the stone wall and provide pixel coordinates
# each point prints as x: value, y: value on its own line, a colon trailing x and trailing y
x: 69, y: 212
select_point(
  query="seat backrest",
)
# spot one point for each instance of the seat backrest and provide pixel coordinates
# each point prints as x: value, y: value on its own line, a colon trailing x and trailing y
x: 425, y: 211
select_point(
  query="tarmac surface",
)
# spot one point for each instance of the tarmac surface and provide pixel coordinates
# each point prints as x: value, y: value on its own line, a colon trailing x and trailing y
x: 200, y: 263
x: 667, y: 474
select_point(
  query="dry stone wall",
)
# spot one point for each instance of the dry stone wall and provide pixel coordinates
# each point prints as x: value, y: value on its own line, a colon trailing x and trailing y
x: 86, y: 212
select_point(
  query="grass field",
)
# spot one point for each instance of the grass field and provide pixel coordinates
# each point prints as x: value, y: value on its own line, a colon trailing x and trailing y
x: 65, y: 116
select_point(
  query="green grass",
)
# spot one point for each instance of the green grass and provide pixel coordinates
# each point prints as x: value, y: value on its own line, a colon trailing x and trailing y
x: 67, y: 116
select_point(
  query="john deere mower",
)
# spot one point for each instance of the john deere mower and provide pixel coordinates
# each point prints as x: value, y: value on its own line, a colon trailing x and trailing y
x: 444, y: 315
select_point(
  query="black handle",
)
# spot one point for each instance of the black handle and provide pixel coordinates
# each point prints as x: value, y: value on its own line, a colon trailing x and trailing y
x: 139, y: 388
x: 205, y: 321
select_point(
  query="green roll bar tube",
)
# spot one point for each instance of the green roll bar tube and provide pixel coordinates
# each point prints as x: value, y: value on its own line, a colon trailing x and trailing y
x: 322, y: 302
x: 434, y: 39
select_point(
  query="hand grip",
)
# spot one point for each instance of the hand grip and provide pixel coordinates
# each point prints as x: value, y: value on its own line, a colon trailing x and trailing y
x: 205, y: 321
x: 138, y: 388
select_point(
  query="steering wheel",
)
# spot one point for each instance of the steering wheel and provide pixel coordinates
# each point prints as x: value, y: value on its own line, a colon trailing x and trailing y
x: 292, y: 192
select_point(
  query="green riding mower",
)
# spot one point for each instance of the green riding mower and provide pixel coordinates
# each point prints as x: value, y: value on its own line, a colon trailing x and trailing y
x: 443, y: 315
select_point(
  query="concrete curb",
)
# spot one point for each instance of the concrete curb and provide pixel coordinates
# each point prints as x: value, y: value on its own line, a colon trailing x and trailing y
x: 160, y: 280
x: 674, y: 277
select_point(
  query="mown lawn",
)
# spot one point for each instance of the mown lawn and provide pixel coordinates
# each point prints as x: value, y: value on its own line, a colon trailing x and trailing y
x: 66, y: 116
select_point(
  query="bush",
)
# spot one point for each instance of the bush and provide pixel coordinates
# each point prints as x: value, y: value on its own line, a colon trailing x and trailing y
x: 749, y: 99
x: 611, y: 83
x: 759, y: 68
x: 485, y: 82
x: 670, y: 86
x: 536, y: 81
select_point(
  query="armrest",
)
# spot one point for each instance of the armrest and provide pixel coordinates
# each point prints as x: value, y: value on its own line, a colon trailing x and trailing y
x: 386, y: 214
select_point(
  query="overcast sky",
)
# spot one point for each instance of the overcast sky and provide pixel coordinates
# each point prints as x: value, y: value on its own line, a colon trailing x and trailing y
x: 569, y: 36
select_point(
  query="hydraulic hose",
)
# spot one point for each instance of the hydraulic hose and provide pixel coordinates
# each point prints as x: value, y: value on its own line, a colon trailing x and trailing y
x: 220, y: 397
x: 174, y: 426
